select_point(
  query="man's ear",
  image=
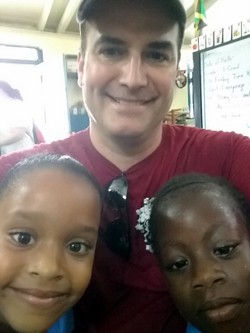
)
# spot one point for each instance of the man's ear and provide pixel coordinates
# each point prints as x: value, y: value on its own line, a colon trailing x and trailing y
x: 80, y: 66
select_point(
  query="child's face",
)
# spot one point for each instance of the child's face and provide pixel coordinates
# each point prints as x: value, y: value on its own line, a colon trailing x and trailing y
x: 204, y: 250
x: 48, y: 232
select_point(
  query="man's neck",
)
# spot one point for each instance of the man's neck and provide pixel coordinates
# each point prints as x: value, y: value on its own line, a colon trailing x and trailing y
x: 125, y: 152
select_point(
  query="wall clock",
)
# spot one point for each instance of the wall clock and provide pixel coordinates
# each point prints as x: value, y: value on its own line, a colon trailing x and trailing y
x: 181, y: 79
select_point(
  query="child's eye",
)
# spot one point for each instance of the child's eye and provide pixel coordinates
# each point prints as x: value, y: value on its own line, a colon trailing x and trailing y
x: 79, y: 248
x: 224, y: 251
x: 23, y: 238
x: 179, y: 265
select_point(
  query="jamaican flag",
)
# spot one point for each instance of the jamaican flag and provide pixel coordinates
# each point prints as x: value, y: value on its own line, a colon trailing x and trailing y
x: 200, y: 15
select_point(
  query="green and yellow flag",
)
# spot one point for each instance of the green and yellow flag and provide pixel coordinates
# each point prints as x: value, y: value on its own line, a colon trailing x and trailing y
x: 200, y: 15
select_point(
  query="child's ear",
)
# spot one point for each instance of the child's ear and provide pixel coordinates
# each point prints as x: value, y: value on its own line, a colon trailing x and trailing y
x: 80, y: 67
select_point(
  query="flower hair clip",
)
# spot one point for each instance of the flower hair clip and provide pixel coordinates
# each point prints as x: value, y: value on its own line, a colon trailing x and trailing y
x: 142, y: 222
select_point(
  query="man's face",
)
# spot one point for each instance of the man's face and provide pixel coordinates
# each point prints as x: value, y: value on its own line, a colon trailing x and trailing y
x: 204, y: 251
x: 48, y: 233
x: 128, y: 68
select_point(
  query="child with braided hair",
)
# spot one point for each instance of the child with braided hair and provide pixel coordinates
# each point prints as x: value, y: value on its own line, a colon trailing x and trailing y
x: 199, y: 231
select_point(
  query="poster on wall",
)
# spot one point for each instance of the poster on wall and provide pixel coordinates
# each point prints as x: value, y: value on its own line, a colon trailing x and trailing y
x: 227, y: 33
x: 236, y: 30
x: 246, y: 27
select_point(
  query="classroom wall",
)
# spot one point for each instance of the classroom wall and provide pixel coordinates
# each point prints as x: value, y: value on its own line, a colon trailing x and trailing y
x: 180, y: 100
x: 54, y: 46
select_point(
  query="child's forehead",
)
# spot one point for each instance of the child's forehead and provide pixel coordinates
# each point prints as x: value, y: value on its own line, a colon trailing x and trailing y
x: 201, y: 192
x: 202, y: 207
x: 199, y: 218
x: 199, y: 204
x: 40, y: 179
x: 50, y: 184
x: 47, y: 172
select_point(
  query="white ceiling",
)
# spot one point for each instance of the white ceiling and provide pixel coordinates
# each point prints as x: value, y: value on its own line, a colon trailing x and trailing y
x: 58, y: 16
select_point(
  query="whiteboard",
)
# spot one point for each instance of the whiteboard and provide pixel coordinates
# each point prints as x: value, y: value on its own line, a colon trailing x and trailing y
x: 225, y: 84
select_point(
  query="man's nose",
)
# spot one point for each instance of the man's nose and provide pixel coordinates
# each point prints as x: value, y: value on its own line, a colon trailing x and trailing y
x: 133, y: 73
x: 207, y: 274
x: 47, y: 263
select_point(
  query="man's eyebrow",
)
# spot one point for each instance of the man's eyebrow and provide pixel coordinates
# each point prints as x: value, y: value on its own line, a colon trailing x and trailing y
x: 110, y: 40
x: 160, y: 45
